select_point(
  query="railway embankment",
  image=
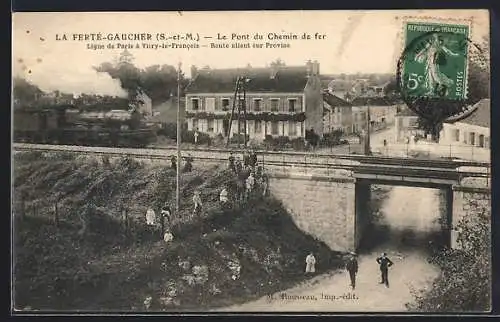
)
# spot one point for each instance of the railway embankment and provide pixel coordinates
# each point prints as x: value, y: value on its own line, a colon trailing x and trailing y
x: 82, y: 242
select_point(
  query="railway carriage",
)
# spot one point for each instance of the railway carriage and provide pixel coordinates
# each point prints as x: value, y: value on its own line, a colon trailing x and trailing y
x: 69, y: 125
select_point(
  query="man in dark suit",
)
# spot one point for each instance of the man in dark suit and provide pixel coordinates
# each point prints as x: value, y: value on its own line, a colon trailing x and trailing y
x: 384, y: 263
x: 352, y: 267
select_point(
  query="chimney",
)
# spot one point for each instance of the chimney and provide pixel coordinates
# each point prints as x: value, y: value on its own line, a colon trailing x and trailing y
x: 315, y: 68
x: 309, y: 67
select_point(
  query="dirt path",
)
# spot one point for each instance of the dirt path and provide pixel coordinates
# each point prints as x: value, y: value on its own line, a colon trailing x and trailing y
x: 332, y: 293
x: 409, y: 215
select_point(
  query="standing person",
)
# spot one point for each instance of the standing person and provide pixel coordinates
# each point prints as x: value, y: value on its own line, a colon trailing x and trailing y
x: 246, y: 159
x: 352, y: 267
x: 239, y: 167
x: 310, y: 263
x: 196, y: 134
x: 173, y: 162
x: 250, y: 182
x: 224, y: 196
x: 150, y: 217
x: 253, y: 159
x: 166, y: 214
x: 231, y: 162
x: 197, y: 202
x: 384, y: 263
x: 188, y: 166
x: 265, y: 185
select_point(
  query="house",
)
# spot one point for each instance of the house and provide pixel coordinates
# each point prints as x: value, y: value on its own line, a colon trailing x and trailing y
x: 382, y: 110
x: 406, y: 125
x: 337, y: 114
x: 280, y: 101
x: 359, y: 117
x: 474, y: 130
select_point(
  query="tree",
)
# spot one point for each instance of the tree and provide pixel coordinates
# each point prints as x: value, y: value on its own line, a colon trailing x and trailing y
x: 465, y: 281
x: 159, y: 82
x: 24, y: 92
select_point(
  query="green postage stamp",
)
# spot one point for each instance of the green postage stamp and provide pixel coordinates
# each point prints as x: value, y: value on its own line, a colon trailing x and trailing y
x: 435, y: 60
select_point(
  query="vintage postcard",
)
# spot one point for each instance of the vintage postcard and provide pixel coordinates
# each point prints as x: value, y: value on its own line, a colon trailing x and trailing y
x: 251, y: 161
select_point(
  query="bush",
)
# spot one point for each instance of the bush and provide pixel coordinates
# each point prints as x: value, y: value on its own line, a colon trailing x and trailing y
x: 332, y: 138
x: 188, y: 137
x: 239, y: 138
x: 465, y: 282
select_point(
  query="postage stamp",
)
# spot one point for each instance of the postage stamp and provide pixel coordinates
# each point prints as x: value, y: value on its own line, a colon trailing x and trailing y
x: 436, y: 60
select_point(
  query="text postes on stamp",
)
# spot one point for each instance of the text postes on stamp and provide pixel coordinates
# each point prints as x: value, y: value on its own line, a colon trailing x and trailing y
x: 434, y: 63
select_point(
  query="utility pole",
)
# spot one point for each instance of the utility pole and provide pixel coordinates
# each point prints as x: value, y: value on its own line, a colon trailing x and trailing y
x: 239, y: 111
x: 178, y: 188
x: 368, y: 129
x: 245, y: 110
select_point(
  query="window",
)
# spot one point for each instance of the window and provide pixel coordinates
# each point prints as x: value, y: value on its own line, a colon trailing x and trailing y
x: 195, y: 124
x: 274, y: 128
x: 292, y: 128
x: 292, y: 104
x: 481, y: 140
x: 210, y: 103
x: 242, y: 104
x: 258, y: 126
x: 210, y: 125
x: 225, y: 104
x: 256, y: 104
x: 195, y: 102
x: 472, y: 138
x: 465, y: 137
x: 242, y: 126
x: 274, y: 104
x: 457, y: 135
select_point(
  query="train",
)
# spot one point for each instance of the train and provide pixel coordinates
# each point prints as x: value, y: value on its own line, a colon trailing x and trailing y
x: 70, y: 125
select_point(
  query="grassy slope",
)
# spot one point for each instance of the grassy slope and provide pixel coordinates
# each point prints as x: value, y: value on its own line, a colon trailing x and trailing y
x: 58, y: 268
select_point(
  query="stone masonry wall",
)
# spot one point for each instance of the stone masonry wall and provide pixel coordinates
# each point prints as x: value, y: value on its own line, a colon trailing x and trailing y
x: 462, y: 198
x: 321, y: 207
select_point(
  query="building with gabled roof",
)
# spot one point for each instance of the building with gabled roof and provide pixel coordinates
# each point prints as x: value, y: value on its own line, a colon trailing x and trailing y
x: 337, y: 114
x: 280, y: 101
x: 472, y: 130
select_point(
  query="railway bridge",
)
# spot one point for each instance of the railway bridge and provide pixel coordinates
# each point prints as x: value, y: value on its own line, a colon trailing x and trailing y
x: 328, y: 195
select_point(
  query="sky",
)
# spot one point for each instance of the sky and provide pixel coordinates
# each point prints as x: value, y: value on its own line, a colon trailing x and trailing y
x: 354, y: 41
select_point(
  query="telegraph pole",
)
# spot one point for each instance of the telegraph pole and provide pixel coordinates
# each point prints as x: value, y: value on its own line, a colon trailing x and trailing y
x: 178, y: 188
x: 368, y: 129
x: 245, y: 110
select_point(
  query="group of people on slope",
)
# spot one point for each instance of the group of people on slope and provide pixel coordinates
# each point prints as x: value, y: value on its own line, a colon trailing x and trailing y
x: 164, y: 219
x: 351, y: 266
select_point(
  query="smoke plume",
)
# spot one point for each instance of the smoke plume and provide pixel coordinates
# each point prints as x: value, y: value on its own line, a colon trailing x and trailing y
x: 78, y: 80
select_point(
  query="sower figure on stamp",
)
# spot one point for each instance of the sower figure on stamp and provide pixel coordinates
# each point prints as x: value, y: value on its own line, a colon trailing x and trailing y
x: 384, y: 263
x: 352, y: 267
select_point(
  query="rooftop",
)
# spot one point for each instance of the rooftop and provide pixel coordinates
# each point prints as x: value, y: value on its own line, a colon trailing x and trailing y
x: 335, y: 101
x: 265, y: 79
x: 481, y: 116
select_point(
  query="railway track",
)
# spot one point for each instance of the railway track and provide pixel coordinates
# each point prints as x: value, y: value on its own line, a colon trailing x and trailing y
x: 278, y: 158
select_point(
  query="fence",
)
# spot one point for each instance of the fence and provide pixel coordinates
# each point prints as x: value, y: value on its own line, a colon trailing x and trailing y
x: 433, y: 150
x: 123, y: 221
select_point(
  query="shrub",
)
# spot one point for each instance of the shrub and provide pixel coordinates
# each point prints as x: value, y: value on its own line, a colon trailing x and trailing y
x: 188, y: 137
x: 465, y: 281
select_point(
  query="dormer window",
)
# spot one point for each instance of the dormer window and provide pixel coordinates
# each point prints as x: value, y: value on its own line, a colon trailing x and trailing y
x: 292, y: 104
x: 274, y: 104
x: 195, y: 103
x: 225, y: 104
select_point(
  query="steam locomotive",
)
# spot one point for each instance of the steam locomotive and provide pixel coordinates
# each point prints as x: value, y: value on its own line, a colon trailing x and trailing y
x: 73, y: 126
